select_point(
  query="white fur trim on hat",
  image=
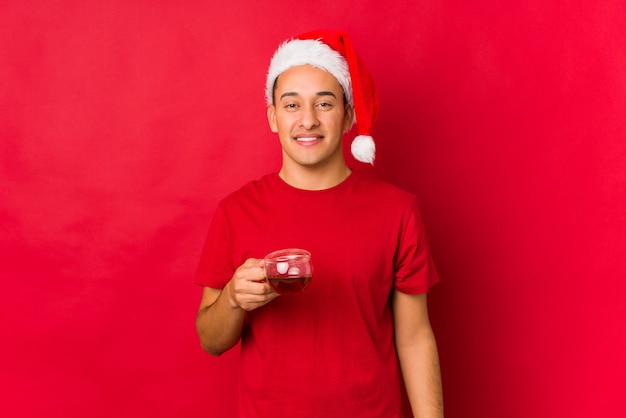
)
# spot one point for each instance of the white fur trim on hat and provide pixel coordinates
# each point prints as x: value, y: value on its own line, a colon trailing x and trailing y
x: 364, y: 149
x: 316, y: 53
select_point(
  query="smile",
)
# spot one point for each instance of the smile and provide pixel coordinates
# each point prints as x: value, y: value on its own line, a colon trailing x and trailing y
x: 308, y: 139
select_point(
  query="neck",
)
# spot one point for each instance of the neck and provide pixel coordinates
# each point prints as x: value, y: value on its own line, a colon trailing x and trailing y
x: 314, y: 178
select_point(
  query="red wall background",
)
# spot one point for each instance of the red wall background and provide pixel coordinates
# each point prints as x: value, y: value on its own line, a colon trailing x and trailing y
x: 122, y: 123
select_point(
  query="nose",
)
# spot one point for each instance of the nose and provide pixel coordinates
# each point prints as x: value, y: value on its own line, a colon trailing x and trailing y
x: 308, y: 118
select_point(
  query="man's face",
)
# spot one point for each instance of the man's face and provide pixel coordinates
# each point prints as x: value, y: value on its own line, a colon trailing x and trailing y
x: 310, y: 116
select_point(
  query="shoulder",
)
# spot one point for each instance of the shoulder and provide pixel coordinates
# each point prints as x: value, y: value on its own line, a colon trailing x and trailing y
x: 251, y: 190
x: 379, y: 190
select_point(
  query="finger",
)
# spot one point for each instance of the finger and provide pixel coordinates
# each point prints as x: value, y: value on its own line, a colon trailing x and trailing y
x: 258, y: 288
x: 257, y: 274
x: 252, y: 262
x: 250, y: 302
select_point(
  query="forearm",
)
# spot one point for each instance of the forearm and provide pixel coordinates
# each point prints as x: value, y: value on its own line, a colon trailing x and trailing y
x: 419, y: 362
x: 219, y: 324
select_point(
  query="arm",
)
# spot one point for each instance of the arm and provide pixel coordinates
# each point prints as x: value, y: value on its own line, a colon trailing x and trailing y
x: 222, y: 312
x: 417, y: 353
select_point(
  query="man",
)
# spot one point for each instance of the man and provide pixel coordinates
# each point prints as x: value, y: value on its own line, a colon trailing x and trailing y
x: 333, y: 349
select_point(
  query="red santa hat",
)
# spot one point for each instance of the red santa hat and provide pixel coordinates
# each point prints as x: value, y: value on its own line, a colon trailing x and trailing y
x: 332, y: 51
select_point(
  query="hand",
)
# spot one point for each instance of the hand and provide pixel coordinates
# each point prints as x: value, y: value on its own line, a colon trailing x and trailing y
x: 248, y: 289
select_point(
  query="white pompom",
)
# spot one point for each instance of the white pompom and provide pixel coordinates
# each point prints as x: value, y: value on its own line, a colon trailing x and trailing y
x: 364, y: 149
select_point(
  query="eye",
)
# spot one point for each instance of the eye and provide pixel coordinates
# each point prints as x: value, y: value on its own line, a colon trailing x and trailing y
x: 291, y: 106
x: 325, y: 105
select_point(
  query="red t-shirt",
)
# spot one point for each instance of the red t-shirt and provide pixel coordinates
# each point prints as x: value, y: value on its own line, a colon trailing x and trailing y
x: 329, y: 350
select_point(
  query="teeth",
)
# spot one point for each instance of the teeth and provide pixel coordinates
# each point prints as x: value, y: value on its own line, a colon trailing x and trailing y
x: 306, y: 139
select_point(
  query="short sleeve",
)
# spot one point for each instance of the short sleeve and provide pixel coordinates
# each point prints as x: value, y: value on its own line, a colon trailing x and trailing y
x: 215, y: 268
x: 414, y: 270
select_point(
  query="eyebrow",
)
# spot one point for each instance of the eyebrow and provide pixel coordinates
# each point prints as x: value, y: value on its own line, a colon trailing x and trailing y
x: 319, y: 94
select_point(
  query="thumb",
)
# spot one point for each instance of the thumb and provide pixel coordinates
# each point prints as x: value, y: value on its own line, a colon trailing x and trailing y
x: 252, y: 262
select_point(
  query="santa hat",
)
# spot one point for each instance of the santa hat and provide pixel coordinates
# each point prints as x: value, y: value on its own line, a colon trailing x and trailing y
x: 332, y: 51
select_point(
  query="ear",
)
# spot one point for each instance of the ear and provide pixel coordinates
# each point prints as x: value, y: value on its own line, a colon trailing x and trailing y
x: 271, y: 118
x: 348, y: 119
